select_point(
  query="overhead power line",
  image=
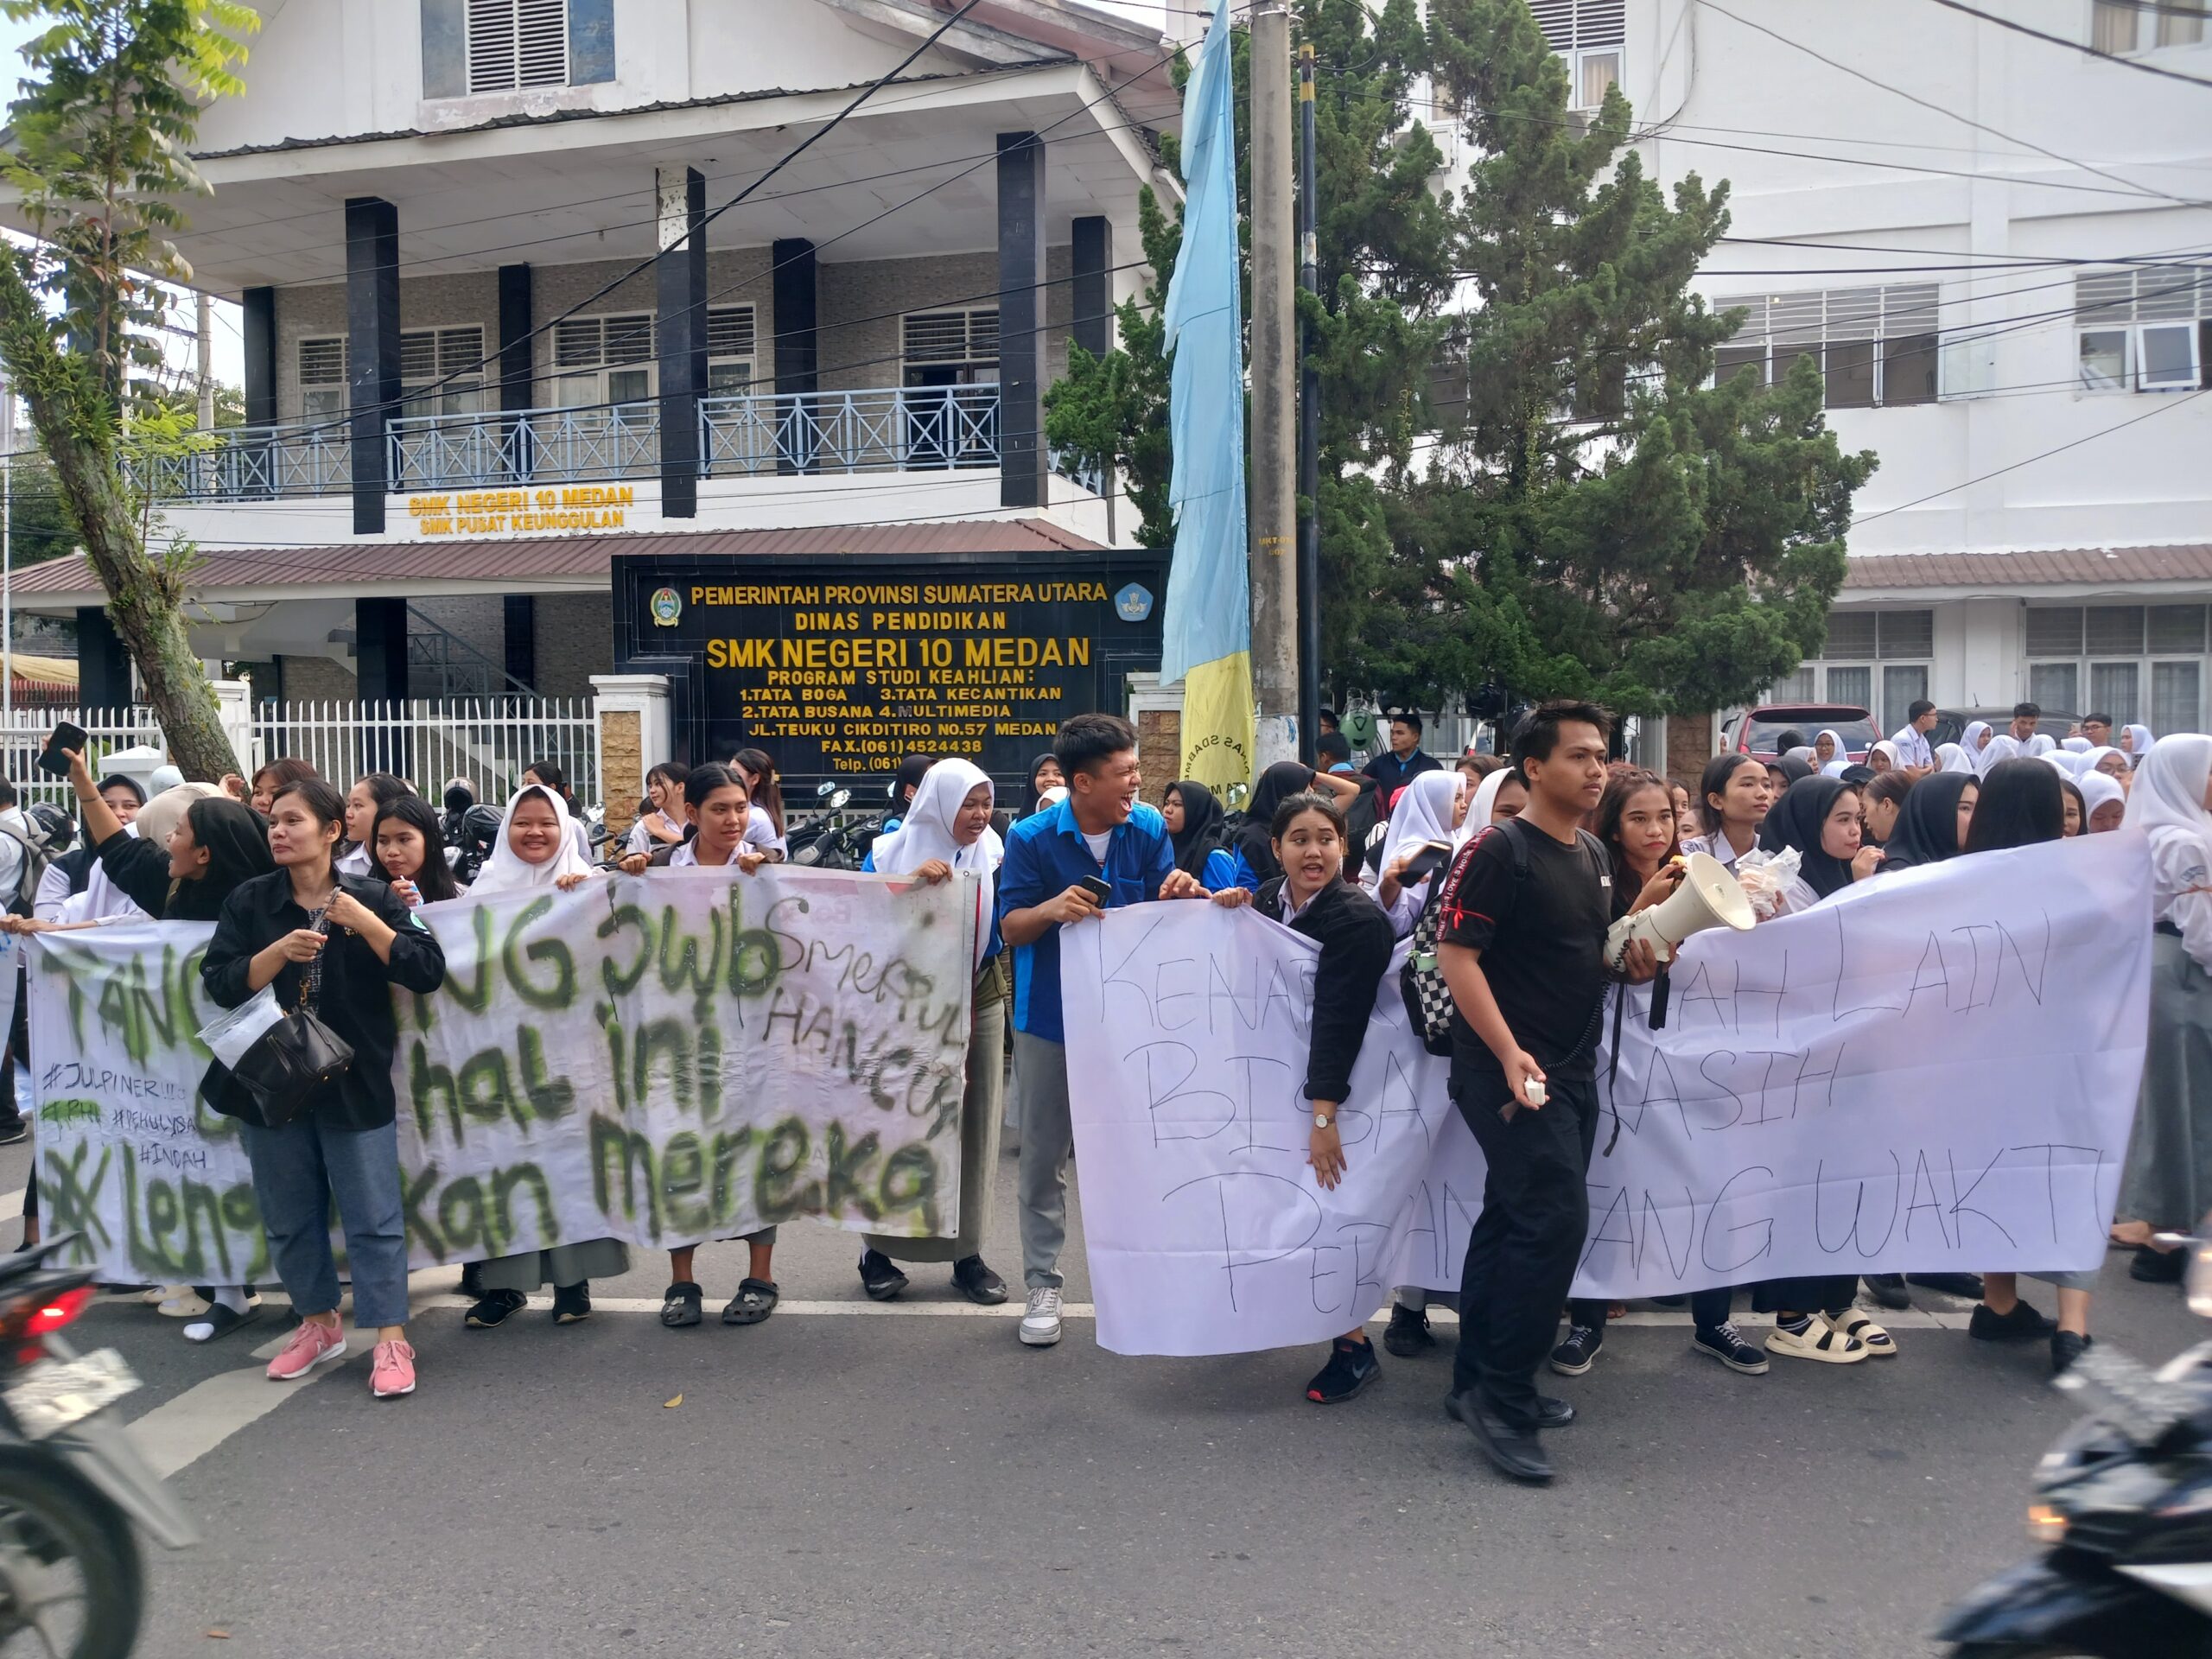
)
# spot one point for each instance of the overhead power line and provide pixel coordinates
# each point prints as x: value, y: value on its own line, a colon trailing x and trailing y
x: 2083, y: 47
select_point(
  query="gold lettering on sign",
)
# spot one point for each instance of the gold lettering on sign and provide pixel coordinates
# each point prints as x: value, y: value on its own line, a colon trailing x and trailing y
x: 514, y: 511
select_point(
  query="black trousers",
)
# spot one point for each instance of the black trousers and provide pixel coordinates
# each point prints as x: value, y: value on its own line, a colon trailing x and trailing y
x: 1522, y: 1255
x: 1708, y: 1308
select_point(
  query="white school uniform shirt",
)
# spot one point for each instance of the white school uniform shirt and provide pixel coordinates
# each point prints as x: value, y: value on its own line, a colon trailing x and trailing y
x: 1912, y: 746
x: 353, y: 863
x: 1714, y: 847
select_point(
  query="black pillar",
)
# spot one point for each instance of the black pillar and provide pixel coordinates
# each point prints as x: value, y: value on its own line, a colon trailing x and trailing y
x: 680, y: 282
x: 257, y: 323
x: 103, y: 666
x: 517, y: 386
x: 797, y: 357
x: 380, y: 660
x: 372, y: 347
x: 1021, y: 276
x: 521, y: 638
x: 1092, y: 325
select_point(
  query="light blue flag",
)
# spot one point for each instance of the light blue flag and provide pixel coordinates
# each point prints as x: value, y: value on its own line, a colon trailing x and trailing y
x: 1208, y: 624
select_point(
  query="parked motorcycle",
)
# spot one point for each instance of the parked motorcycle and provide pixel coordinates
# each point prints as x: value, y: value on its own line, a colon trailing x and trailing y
x: 2122, y: 1506
x: 73, y: 1490
x: 832, y: 841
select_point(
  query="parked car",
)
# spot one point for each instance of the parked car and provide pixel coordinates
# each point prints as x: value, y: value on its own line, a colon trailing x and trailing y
x: 1756, y: 732
x: 1950, y: 723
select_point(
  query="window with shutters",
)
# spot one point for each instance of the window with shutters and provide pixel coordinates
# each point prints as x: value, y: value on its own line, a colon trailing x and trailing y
x: 958, y: 351
x: 441, y: 372
x: 951, y: 348
x: 322, y: 378
x: 729, y: 349
x: 1880, y: 660
x: 2133, y: 662
x: 2144, y: 328
x: 2121, y: 27
x: 604, y: 360
x: 513, y: 44
x: 1589, y: 36
x: 1875, y: 347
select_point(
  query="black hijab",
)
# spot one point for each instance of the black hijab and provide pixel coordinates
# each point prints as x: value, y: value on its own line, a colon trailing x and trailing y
x: 1794, y: 769
x: 1202, y: 818
x: 1796, y: 822
x: 910, y: 770
x: 2020, y: 805
x: 1254, y: 840
x: 1036, y: 767
x: 237, y: 850
x: 1927, y: 829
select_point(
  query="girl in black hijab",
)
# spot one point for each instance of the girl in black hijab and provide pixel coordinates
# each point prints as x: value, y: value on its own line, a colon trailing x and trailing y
x: 2020, y: 805
x: 1046, y: 762
x: 1830, y: 854
x: 909, y: 780
x: 1194, y: 825
x: 1927, y: 829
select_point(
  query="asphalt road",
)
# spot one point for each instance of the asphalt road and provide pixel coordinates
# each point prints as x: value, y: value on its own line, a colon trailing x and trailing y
x: 851, y: 1480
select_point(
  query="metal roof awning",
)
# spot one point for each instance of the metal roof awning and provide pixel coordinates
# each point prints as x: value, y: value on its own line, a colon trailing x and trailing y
x: 2048, y: 573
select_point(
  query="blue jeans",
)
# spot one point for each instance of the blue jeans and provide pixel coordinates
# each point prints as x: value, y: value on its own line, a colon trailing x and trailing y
x: 297, y: 1171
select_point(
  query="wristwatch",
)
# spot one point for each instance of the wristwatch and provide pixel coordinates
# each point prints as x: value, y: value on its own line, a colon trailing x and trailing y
x: 1322, y: 1120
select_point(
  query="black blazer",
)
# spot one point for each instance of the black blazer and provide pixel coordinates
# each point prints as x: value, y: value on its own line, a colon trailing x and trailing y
x: 1355, y: 939
x: 355, y: 1000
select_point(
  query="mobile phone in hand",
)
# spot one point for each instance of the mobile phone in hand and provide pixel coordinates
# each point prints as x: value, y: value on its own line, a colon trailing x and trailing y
x: 67, y: 735
x: 1425, y: 863
x: 1097, y: 889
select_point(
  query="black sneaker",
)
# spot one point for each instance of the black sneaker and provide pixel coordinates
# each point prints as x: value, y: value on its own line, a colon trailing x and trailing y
x: 879, y: 1276
x: 572, y: 1303
x: 493, y: 1311
x: 1725, y: 1343
x: 13, y: 1131
x: 1580, y: 1352
x: 1408, y: 1335
x: 2066, y: 1347
x: 1351, y: 1367
x: 1512, y: 1453
x: 975, y: 1281
x: 472, y: 1281
x: 2023, y: 1324
x: 1553, y: 1413
x: 2155, y: 1267
x: 1964, y: 1284
x: 1888, y: 1289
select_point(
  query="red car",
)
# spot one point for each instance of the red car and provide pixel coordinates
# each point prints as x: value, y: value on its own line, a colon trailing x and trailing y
x: 1764, y: 732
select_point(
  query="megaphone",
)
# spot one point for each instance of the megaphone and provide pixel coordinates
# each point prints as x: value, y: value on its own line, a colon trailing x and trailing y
x: 1708, y: 897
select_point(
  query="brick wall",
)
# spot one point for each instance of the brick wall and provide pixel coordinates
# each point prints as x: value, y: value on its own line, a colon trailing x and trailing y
x: 575, y: 640
x: 425, y: 302
x: 620, y: 770
x: 862, y: 304
x: 1689, y: 746
x: 319, y: 679
x: 1159, y: 750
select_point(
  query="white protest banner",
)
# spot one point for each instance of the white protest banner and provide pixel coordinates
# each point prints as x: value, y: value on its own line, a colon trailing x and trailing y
x: 1937, y: 1069
x: 691, y: 1055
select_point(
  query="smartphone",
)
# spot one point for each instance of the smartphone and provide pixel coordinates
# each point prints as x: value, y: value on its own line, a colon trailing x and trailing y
x: 1096, y: 888
x: 1425, y: 863
x: 66, y: 736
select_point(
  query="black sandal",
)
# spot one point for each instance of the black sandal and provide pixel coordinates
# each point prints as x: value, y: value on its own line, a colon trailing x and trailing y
x: 755, y: 1301
x: 680, y: 1305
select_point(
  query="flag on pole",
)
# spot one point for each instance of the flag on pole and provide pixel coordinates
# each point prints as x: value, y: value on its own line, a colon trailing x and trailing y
x: 1208, y: 624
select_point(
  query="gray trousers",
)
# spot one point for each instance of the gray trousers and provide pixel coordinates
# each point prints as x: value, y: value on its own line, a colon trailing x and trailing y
x: 980, y: 1105
x: 1040, y: 1080
x: 297, y: 1171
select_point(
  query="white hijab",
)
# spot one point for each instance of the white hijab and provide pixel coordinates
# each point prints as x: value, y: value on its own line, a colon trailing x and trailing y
x: 2076, y: 744
x: 1836, y: 767
x: 2041, y: 745
x: 2095, y: 758
x: 1889, y: 751
x: 926, y: 832
x: 1951, y: 758
x: 2097, y: 790
x: 1841, y: 752
x: 1423, y: 814
x: 1972, y: 738
x: 507, y: 870
x: 2138, y: 743
x: 1480, y: 809
x: 2006, y: 748
x: 2168, y: 801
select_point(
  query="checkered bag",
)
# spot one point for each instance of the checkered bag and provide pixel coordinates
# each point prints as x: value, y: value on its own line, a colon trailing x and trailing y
x: 1420, y: 982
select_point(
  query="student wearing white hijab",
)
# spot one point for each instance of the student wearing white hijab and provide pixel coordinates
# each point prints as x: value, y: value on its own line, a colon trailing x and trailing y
x: 1836, y: 768
x: 1886, y: 751
x: 946, y: 835
x: 2041, y: 744
x: 2135, y: 742
x: 2110, y: 761
x: 1502, y: 795
x: 1827, y: 748
x: 2076, y: 744
x: 1429, y: 812
x: 2006, y: 748
x: 1950, y: 757
x: 537, y: 848
x: 1971, y: 740
x: 2167, y: 1180
x: 2100, y: 796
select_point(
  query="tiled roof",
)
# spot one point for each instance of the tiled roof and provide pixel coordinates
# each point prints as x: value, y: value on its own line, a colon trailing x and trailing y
x: 2074, y: 566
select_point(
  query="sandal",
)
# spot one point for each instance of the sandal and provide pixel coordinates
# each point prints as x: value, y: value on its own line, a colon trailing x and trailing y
x: 755, y: 1301
x: 1856, y: 1324
x: 1819, y: 1340
x: 680, y: 1305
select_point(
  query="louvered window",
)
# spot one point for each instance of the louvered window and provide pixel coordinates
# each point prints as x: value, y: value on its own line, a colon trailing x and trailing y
x: 604, y: 360
x: 322, y: 378
x: 441, y: 370
x: 1872, y: 346
x: 966, y: 338
x: 1879, y: 660
x: 2144, y: 328
x: 517, y: 43
x: 729, y: 349
x: 2119, y: 653
x: 1588, y: 35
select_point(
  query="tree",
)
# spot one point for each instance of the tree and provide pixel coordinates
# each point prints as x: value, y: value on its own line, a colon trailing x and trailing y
x: 98, y: 147
x: 1597, y: 519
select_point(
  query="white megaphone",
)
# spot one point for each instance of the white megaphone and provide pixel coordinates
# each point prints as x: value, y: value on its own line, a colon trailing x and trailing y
x: 1708, y: 897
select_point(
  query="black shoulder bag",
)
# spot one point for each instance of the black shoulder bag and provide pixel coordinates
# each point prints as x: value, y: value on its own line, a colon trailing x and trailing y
x: 291, y: 1060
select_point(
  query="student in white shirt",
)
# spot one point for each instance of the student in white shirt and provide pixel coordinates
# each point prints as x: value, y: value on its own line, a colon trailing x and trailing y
x: 1911, y: 738
x: 370, y: 795
x: 1733, y: 797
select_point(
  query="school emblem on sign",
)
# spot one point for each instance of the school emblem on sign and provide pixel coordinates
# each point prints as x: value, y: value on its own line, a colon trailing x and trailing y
x: 1134, y: 602
x: 667, y: 605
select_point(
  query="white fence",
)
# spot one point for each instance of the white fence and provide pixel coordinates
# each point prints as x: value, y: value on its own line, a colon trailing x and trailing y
x: 486, y: 741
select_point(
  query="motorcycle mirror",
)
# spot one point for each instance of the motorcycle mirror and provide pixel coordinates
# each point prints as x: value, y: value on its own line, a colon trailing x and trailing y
x: 839, y: 798
x: 824, y: 792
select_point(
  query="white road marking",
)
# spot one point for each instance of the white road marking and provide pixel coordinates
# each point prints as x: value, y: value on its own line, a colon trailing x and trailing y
x: 178, y: 1433
x: 11, y: 1205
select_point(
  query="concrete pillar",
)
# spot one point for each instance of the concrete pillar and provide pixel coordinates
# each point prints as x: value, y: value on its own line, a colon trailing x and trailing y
x: 680, y: 281
x: 520, y: 639
x: 257, y: 324
x: 234, y: 710
x: 634, y: 737
x: 1021, y: 319
x: 798, y: 355
x: 372, y: 348
x: 517, y: 382
x: 1092, y: 325
x: 103, y: 665
x: 380, y: 656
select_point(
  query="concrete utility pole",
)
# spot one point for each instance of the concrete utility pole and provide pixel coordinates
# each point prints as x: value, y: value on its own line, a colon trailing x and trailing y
x: 206, y: 364
x: 1273, y: 495
x: 1309, y: 431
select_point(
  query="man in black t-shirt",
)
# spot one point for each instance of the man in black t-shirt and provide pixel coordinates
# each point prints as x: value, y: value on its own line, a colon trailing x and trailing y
x: 1521, y: 941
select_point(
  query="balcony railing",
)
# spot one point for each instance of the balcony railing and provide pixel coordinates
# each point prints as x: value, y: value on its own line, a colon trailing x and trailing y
x: 886, y: 429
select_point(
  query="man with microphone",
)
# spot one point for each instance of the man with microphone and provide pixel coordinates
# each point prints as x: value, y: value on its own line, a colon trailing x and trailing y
x: 1521, y: 942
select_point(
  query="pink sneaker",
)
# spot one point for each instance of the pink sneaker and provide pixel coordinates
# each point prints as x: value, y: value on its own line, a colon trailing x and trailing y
x: 391, y: 1372
x: 311, y: 1344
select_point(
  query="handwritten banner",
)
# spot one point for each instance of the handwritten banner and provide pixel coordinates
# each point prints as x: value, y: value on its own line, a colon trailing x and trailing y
x: 662, y: 1060
x: 1934, y: 1071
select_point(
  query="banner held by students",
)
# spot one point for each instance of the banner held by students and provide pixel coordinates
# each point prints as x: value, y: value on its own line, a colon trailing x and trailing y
x: 1935, y: 1071
x: 662, y: 1060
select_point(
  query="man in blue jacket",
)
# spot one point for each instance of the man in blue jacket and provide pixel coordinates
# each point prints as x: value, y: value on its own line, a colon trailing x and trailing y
x: 1100, y: 833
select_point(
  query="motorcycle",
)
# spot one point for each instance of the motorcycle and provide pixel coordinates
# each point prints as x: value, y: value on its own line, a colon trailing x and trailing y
x: 74, y: 1492
x: 832, y: 842
x: 2122, y: 1506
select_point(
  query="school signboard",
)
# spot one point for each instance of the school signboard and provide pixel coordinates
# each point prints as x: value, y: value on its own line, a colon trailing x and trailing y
x: 841, y: 666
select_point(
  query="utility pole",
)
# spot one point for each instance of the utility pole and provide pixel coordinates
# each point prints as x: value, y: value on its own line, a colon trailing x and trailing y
x: 206, y: 364
x: 1274, y: 390
x: 1309, y: 431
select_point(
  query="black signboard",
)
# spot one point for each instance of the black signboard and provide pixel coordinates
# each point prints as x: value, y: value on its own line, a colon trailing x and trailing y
x: 840, y: 667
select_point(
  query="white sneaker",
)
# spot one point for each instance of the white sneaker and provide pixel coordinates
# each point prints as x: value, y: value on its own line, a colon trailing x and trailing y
x: 1041, y: 1323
